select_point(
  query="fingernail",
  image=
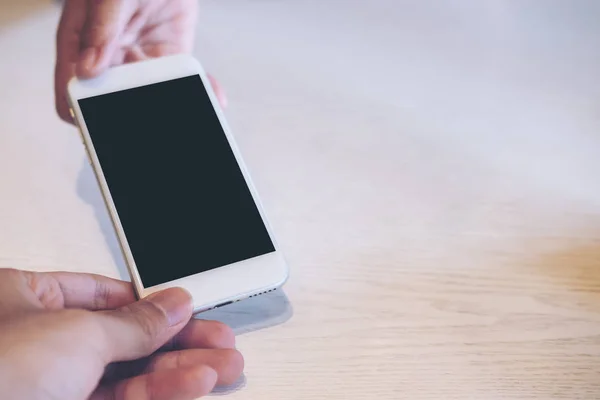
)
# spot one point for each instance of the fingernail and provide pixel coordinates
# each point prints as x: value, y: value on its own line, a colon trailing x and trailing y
x: 88, y: 59
x: 175, y: 302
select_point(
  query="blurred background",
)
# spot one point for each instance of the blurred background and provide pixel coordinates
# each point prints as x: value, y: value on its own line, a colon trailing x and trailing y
x: 431, y: 169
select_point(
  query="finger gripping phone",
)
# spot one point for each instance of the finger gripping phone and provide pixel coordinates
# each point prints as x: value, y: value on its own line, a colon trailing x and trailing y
x: 180, y: 197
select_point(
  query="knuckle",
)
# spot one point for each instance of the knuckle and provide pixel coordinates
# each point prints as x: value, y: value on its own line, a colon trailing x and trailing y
x: 151, y: 320
x: 102, y: 295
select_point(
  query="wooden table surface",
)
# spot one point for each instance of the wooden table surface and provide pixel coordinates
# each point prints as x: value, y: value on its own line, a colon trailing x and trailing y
x: 431, y: 170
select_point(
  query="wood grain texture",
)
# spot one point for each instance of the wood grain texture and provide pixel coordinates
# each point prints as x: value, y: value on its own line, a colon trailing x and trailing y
x: 430, y: 168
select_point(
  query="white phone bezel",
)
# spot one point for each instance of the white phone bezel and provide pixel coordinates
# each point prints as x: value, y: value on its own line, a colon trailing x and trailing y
x: 210, y: 288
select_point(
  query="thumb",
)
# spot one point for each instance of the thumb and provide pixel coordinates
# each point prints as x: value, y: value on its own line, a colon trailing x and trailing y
x: 105, y: 23
x: 141, y: 328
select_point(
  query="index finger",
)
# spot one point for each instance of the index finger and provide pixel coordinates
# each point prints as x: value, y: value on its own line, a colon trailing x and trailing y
x: 93, y: 292
x: 68, y: 43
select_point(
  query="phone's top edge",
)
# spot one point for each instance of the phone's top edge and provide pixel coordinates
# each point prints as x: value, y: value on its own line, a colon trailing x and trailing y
x: 134, y: 74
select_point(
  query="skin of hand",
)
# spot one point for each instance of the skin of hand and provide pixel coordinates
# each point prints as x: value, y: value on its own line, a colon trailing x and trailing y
x: 79, y: 336
x: 94, y: 35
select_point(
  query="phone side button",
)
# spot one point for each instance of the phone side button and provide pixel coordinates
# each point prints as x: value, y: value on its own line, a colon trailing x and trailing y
x: 72, y: 114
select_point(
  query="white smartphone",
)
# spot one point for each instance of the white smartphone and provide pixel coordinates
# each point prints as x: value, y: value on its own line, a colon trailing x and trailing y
x: 181, y: 200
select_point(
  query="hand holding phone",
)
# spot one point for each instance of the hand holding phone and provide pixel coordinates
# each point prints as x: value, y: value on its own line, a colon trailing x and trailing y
x: 61, y: 337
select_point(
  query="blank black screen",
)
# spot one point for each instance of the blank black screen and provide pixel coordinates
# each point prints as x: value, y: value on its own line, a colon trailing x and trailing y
x: 181, y: 198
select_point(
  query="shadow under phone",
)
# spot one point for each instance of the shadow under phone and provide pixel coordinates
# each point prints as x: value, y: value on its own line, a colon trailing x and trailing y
x: 244, y: 316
